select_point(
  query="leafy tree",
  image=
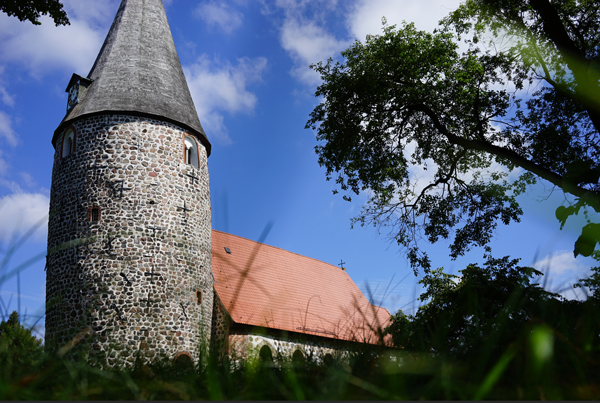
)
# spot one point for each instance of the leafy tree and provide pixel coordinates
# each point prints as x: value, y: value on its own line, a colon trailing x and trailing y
x: 493, y: 319
x: 592, y: 283
x: 19, y: 350
x: 407, y: 99
x: 31, y: 10
x: 477, y: 313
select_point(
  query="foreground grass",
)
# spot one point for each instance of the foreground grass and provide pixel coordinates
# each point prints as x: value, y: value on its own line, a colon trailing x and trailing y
x: 367, y: 375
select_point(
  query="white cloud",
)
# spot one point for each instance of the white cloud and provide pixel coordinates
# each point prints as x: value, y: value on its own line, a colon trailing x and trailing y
x: 6, y: 129
x: 45, y: 47
x: 308, y: 43
x: 7, y: 98
x: 317, y: 7
x: 11, y: 185
x: 22, y: 211
x: 218, y: 87
x: 366, y: 15
x: 3, y: 165
x: 98, y: 12
x: 561, y: 270
x: 27, y: 179
x: 219, y: 14
x: 303, y: 34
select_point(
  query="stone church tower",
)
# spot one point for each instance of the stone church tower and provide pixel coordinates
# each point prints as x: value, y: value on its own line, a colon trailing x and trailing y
x: 129, y: 238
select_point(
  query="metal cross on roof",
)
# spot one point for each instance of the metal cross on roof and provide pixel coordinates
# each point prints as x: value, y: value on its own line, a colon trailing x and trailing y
x: 341, y: 263
x: 193, y: 177
x: 185, y: 209
x: 95, y: 167
x: 126, y: 279
x: 148, y: 301
x: 184, y: 312
x: 118, y: 187
x: 109, y: 242
x: 152, y: 274
x: 116, y: 309
x: 154, y: 229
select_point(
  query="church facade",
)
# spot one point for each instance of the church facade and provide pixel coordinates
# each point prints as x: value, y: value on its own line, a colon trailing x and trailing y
x: 134, y: 267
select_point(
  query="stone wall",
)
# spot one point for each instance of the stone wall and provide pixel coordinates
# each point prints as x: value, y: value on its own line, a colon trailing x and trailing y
x: 220, y: 328
x: 243, y: 347
x: 139, y: 279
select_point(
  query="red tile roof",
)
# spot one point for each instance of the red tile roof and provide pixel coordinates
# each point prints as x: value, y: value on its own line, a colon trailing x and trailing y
x: 265, y: 286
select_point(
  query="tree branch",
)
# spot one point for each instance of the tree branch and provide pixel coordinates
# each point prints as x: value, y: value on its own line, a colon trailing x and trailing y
x: 552, y: 177
x: 574, y: 57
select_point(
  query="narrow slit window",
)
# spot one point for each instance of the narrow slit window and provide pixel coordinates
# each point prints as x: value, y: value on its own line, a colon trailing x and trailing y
x: 199, y: 297
x: 190, y: 151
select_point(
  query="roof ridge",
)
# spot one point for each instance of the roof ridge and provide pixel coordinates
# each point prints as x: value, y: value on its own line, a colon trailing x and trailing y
x: 285, y: 250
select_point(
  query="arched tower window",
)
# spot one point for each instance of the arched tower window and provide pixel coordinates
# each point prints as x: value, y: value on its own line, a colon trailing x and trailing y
x: 68, y: 143
x: 190, y: 151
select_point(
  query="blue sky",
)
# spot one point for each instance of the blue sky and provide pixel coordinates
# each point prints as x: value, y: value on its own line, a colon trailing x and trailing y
x: 246, y: 63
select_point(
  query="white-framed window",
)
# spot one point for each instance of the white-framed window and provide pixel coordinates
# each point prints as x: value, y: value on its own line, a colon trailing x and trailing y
x: 68, y: 143
x: 190, y: 151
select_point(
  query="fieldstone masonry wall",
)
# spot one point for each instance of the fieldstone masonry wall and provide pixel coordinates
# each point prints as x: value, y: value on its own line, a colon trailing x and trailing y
x: 220, y: 327
x: 247, y: 346
x: 139, y: 280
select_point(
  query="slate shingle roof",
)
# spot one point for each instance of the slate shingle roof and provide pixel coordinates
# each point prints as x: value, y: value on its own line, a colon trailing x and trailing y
x: 138, y: 71
x: 265, y: 286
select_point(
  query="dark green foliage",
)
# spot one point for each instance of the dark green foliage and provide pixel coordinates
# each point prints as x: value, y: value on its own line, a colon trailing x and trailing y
x: 19, y: 350
x: 475, y: 312
x: 541, y: 361
x: 31, y: 10
x: 407, y: 99
x: 592, y: 283
x: 503, y: 333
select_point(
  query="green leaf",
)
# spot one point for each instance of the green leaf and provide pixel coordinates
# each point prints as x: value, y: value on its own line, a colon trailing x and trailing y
x: 562, y: 213
x: 586, y: 243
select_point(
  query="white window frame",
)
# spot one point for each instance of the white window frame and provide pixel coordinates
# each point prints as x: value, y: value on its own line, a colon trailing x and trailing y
x: 190, y: 151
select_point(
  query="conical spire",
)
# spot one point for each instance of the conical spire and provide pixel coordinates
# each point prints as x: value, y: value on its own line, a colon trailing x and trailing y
x: 138, y: 71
